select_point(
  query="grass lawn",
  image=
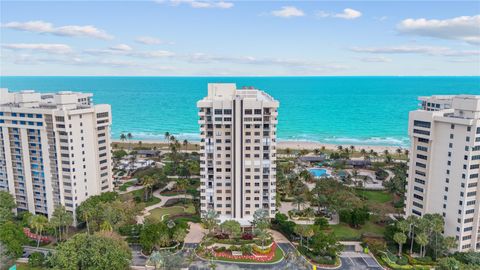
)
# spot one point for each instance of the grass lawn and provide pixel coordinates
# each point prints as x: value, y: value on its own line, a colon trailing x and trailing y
x: 173, y: 210
x: 376, y: 196
x: 126, y: 185
x: 24, y: 266
x: 344, y: 232
x: 139, y: 193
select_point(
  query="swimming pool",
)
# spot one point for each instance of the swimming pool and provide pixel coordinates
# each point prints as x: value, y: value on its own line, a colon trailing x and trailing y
x: 318, y: 172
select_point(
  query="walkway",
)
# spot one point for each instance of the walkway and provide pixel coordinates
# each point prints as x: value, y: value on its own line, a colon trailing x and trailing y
x: 163, y: 200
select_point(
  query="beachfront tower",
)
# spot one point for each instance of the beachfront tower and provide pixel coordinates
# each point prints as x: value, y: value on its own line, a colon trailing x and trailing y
x: 54, y: 149
x: 238, y: 150
x: 444, y: 164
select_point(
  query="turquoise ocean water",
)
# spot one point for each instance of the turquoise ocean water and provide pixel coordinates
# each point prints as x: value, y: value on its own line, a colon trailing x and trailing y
x: 338, y: 110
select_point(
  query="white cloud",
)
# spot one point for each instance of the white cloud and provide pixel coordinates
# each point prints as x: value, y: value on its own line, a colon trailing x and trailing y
x: 401, y: 49
x: 125, y: 50
x: 148, y: 40
x: 200, y: 4
x: 40, y: 47
x: 288, y: 12
x: 121, y: 47
x: 426, y: 50
x: 68, y: 30
x: 348, y: 14
x: 379, y: 59
x: 465, y: 28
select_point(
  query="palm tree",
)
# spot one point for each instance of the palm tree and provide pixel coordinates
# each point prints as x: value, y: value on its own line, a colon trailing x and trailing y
x: 210, y: 220
x: 299, y: 201
x: 386, y: 152
x: 123, y: 137
x: 399, y: 150
x: 182, y: 184
x: 422, y: 240
x: 400, y: 239
x: 185, y: 144
x: 340, y: 148
x: 412, y: 222
x: 156, y: 259
x: 62, y: 219
x: 38, y: 222
x: 316, y: 151
x: 148, y: 182
x: 363, y: 152
x: 352, y: 147
x: 86, y: 216
x: 167, y: 136
x: 129, y: 136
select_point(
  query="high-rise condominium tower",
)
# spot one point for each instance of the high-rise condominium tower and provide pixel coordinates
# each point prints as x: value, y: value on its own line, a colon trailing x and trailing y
x: 54, y: 149
x: 238, y: 152
x: 444, y: 165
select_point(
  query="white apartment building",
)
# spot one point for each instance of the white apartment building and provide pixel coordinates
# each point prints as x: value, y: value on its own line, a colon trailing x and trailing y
x: 54, y: 149
x: 444, y: 166
x: 238, y: 152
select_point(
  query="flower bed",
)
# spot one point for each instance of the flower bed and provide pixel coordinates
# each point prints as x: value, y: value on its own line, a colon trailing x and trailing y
x: 34, y: 236
x: 255, y: 256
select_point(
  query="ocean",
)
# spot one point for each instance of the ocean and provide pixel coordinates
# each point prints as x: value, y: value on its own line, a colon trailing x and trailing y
x: 334, y: 110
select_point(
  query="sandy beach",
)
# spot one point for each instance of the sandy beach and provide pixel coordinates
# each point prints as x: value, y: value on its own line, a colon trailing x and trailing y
x: 318, y: 145
x: 294, y: 145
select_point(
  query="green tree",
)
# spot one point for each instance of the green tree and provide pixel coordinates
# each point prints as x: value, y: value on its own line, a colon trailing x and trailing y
x: 448, y: 263
x: 123, y: 137
x: 422, y: 240
x: 400, y: 238
x: 148, y: 182
x: 12, y: 238
x: 7, y: 204
x: 325, y: 244
x: 61, y: 219
x: 412, y: 222
x: 182, y: 184
x: 231, y: 227
x: 210, y: 220
x: 156, y: 259
x: 38, y: 223
x: 97, y: 251
x: 299, y: 201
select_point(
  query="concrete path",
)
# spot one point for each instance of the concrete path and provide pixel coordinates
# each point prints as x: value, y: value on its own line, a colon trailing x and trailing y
x: 163, y: 200
x: 195, y: 234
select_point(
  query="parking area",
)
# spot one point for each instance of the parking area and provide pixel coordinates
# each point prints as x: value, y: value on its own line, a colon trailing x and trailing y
x: 355, y: 260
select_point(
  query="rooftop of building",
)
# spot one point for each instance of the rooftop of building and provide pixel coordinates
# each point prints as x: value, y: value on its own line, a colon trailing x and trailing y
x: 222, y: 91
x: 33, y: 99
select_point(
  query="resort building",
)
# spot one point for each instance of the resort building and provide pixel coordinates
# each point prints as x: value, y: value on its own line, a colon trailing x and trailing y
x: 54, y: 149
x: 238, y: 152
x: 444, y: 164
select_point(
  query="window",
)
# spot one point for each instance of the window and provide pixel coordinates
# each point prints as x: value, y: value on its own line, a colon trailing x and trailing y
x: 423, y: 124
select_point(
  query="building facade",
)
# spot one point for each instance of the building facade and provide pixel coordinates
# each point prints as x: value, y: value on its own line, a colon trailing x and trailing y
x: 54, y: 149
x: 238, y: 152
x: 444, y: 164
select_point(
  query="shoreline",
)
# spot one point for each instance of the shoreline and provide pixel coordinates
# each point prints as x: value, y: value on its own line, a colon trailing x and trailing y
x: 293, y: 145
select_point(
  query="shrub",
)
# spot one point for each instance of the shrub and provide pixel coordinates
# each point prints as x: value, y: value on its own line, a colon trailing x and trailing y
x: 375, y: 244
x: 246, y: 249
x: 381, y: 174
x: 36, y: 259
x: 220, y: 249
x: 247, y: 236
x: 322, y: 223
x: 470, y: 257
x: 402, y: 260
x: 259, y: 250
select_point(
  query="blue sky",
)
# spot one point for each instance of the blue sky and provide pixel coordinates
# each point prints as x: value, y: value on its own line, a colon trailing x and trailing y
x: 196, y: 37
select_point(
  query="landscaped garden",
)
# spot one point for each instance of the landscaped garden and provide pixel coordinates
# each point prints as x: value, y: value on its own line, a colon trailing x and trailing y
x: 179, y: 210
x: 229, y: 242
